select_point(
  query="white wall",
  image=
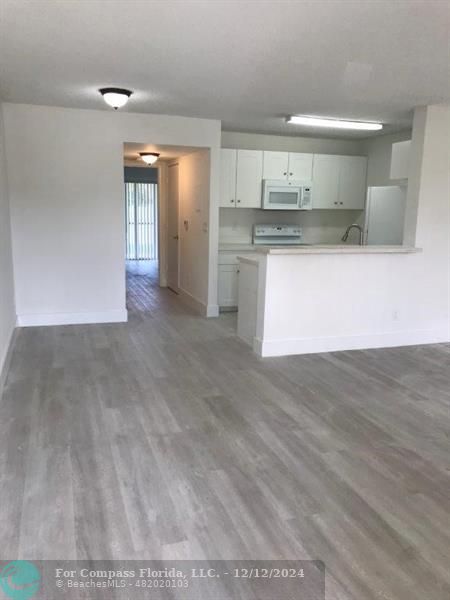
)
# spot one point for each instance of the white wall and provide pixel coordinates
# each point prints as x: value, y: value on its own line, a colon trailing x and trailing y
x: 65, y: 171
x: 379, y: 150
x: 194, y: 187
x: 7, y: 308
x: 284, y: 143
x: 338, y: 302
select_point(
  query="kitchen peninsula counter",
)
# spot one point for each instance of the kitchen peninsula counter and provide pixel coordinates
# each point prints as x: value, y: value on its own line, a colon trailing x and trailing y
x: 335, y: 249
x: 325, y: 298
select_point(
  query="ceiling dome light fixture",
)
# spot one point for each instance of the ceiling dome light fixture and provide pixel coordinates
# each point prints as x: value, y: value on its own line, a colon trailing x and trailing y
x: 333, y: 123
x: 115, y: 97
x: 149, y: 157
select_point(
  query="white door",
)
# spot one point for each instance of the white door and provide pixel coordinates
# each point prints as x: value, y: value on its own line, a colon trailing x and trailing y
x: 227, y: 177
x: 300, y: 166
x: 385, y: 215
x: 249, y: 178
x: 352, y: 182
x: 325, y: 187
x: 275, y: 165
x: 173, y: 233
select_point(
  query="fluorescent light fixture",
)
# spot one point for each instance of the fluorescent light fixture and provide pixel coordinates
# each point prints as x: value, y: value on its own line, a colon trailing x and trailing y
x: 115, y: 97
x: 149, y: 157
x: 333, y: 123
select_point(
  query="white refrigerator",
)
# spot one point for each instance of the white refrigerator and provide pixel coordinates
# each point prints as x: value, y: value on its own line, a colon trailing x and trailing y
x: 385, y: 215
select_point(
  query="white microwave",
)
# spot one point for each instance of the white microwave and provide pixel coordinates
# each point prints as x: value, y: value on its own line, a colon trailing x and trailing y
x: 286, y: 195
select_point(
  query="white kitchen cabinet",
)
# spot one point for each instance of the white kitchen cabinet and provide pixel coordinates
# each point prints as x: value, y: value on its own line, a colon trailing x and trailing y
x: 228, y: 177
x: 241, y: 178
x: 400, y: 160
x: 300, y: 166
x: 325, y: 186
x: 228, y: 286
x: 294, y: 166
x: 339, y: 182
x: 249, y: 178
x: 352, y: 182
x: 275, y: 165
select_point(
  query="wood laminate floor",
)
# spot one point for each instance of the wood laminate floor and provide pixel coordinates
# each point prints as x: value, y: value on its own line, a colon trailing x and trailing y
x: 165, y: 437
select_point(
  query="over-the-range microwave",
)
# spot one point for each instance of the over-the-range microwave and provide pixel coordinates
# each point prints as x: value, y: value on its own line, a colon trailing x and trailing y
x: 286, y: 195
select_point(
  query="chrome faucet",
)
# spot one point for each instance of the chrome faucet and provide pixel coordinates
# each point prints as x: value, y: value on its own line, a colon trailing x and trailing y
x: 361, y: 233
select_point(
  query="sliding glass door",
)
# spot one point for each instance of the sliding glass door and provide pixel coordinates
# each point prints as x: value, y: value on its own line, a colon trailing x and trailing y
x: 141, y: 214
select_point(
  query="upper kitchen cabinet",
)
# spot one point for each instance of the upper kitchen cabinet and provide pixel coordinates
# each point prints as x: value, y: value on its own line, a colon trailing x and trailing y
x: 400, y: 160
x: 339, y: 182
x: 249, y: 178
x: 275, y: 165
x: 294, y: 166
x: 240, y: 178
x: 228, y: 177
x: 300, y: 166
x: 325, y: 187
x: 352, y: 182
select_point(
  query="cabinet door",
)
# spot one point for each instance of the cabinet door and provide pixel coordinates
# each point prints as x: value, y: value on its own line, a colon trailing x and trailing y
x: 227, y: 177
x: 275, y: 165
x: 228, y: 285
x: 325, y: 187
x: 249, y: 178
x: 400, y: 160
x: 352, y: 182
x: 300, y: 166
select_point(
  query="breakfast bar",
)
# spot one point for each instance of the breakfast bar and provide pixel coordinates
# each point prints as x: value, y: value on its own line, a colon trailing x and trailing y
x: 322, y: 298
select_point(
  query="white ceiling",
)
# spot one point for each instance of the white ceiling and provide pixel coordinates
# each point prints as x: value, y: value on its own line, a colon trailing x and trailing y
x: 131, y: 152
x: 247, y: 62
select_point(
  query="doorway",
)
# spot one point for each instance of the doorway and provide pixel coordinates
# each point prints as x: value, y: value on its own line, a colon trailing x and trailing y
x: 141, y: 218
x: 172, y: 228
x: 166, y: 226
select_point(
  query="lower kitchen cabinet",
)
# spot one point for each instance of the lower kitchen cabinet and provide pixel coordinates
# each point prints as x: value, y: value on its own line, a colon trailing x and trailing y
x: 228, y: 286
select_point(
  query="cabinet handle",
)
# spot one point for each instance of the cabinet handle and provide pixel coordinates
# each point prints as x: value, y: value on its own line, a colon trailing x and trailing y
x: 341, y: 203
x: 285, y: 173
x: 232, y: 201
x: 239, y: 201
x: 290, y: 173
x: 335, y: 202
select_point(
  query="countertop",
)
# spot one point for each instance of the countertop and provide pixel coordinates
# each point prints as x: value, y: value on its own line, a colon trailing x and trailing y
x: 336, y: 249
x: 318, y: 249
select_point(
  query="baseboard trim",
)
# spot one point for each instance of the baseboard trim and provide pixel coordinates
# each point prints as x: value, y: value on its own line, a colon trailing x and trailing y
x: 4, y: 366
x: 287, y: 347
x: 37, y: 320
x: 192, y: 302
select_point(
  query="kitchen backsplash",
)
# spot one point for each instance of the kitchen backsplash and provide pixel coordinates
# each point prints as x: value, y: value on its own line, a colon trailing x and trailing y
x: 319, y: 226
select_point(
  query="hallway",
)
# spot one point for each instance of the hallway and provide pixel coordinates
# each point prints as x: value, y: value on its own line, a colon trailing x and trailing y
x: 166, y: 437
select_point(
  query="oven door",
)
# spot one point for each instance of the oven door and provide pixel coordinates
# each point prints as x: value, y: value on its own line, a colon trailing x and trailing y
x: 281, y: 197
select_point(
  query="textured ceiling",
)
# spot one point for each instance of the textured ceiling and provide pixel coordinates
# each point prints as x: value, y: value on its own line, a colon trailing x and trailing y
x: 131, y: 152
x: 248, y: 63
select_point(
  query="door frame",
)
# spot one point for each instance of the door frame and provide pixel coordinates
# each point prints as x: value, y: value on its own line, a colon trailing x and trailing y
x: 176, y: 288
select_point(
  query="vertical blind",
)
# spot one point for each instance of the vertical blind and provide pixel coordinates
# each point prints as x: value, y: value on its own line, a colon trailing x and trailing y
x: 141, y: 206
